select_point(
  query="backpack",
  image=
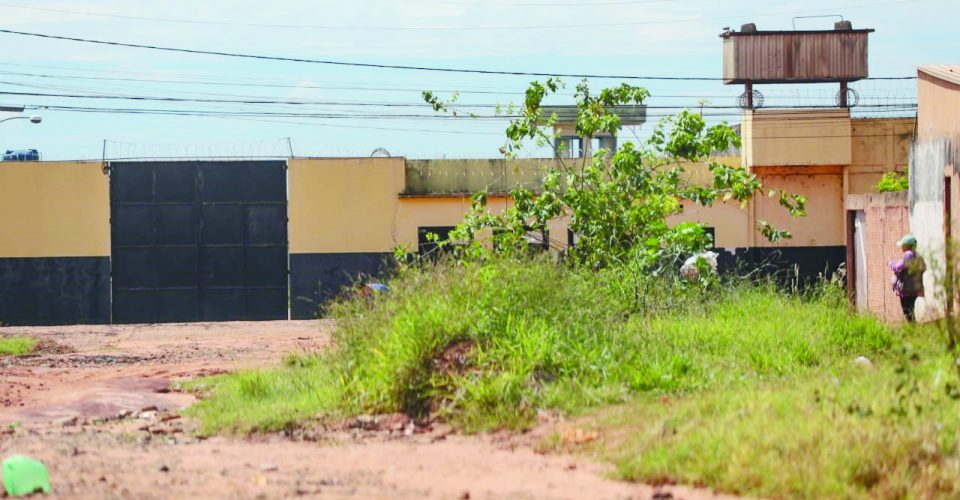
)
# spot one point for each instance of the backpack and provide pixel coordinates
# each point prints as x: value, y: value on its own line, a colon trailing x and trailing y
x: 911, y: 278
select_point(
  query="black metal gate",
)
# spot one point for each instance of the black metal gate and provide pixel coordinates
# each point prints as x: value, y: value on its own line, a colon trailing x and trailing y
x: 199, y: 241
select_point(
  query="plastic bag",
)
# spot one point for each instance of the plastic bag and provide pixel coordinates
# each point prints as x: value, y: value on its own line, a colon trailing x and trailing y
x: 689, y: 269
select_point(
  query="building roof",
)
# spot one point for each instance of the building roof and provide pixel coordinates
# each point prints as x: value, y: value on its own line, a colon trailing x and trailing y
x: 949, y: 73
x: 630, y: 114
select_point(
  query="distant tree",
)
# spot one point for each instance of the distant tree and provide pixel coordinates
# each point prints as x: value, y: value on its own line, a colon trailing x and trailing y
x: 617, y: 206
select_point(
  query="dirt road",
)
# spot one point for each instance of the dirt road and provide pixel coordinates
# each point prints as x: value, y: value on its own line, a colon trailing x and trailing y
x: 96, y: 406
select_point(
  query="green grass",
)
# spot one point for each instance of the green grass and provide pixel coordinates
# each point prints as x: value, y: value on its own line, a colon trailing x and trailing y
x: 845, y: 432
x: 17, y: 346
x: 741, y: 388
x: 537, y: 336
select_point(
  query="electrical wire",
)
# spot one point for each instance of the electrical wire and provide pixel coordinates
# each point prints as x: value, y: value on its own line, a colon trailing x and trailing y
x: 375, y: 104
x: 195, y: 112
x: 373, y: 65
x: 218, y: 80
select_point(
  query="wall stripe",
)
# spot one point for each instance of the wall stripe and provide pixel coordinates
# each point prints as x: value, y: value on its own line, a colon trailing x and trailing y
x: 54, y: 291
x: 320, y: 277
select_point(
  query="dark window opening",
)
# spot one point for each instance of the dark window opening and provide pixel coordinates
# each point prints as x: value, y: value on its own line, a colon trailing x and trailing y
x: 535, y: 239
x: 428, y: 248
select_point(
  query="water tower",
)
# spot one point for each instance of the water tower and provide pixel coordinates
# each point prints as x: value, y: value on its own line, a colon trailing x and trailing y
x: 753, y: 57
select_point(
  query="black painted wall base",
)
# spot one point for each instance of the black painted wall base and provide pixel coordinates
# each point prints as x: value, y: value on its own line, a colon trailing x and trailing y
x: 54, y: 291
x: 786, y: 265
x: 316, y: 278
x: 76, y: 290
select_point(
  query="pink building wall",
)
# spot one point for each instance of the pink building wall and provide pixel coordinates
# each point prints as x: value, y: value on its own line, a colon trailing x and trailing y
x: 887, y: 218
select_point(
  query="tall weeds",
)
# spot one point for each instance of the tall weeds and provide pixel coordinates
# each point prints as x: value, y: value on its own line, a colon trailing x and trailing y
x: 487, y: 345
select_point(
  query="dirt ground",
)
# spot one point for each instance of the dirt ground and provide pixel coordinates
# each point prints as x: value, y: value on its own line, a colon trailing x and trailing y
x: 96, y: 406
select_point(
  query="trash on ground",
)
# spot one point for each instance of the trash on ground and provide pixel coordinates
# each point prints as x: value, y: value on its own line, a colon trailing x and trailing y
x: 690, y: 268
x: 24, y: 476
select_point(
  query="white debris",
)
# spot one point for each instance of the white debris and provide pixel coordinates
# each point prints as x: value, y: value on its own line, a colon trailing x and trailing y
x: 689, y: 268
x: 862, y: 362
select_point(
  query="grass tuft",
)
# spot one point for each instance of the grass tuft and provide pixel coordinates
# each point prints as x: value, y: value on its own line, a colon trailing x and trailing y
x: 842, y: 433
x: 17, y: 346
x: 741, y: 388
x: 487, y: 346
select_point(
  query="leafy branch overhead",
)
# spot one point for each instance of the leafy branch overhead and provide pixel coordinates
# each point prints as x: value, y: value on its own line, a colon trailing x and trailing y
x: 617, y: 205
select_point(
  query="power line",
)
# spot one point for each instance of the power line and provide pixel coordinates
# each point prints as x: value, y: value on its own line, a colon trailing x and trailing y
x: 792, y: 115
x: 654, y: 97
x: 320, y: 87
x: 373, y: 65
x: 218, y: 80
x: 375, y: 104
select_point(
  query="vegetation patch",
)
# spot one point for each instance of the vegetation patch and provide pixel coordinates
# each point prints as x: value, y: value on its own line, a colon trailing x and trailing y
x: 487, y: 345
x: 894, y: 182
x: 740, y: 386
x: 845, y: 432
x: 17, y: 346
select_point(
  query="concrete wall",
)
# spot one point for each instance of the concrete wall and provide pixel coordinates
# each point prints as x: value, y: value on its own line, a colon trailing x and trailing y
x: 415, y: 212
x: 824, y: 224
x: 341, y: 224
x: 54, y: 243
x: 472, y: 175
x: 933, y: 158
x: 54, y: 209
x: 344, y: 204
x: 796, y: 137
x: 939, y: 107
x: 729, y: 221
x: 879, y: 146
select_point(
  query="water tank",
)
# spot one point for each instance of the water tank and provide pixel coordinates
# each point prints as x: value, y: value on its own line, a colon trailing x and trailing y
x: 21, y: 155
x: 837, y: 55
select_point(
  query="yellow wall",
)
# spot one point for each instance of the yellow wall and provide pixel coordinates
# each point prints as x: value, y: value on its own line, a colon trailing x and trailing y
x: 343, y: 204
x: 354, y: 205
x: 730, y: 222
x: 879, y: 146
x: 788, y: 137
x: 882, y: 142
x: 54, y: 209
x: 824, y: 225
x: 430, y: 211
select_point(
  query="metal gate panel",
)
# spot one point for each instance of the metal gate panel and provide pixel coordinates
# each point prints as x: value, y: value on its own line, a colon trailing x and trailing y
x: 244, y: 256
x: 199, y: 241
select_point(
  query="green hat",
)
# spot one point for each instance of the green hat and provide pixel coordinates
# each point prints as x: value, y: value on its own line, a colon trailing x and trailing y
x: 907, y: 240
x: 24, y: 476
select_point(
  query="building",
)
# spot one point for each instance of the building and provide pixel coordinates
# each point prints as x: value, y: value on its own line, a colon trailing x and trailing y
x: 934, y: 186
x: 127, y: 242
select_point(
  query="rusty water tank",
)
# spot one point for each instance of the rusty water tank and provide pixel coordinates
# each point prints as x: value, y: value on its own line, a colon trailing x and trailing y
x: 755, y: 56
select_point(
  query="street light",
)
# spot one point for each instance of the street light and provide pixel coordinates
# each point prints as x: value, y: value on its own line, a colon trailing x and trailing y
x: 33, y: 119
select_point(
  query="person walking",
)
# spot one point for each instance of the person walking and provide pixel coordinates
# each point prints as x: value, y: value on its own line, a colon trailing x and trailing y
x: 908, y: 276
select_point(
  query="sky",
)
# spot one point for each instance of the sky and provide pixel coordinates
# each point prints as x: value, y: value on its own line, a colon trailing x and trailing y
x: 677, y: 38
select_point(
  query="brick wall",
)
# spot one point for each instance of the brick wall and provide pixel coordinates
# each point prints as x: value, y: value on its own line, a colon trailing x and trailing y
x: 887, y: 220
